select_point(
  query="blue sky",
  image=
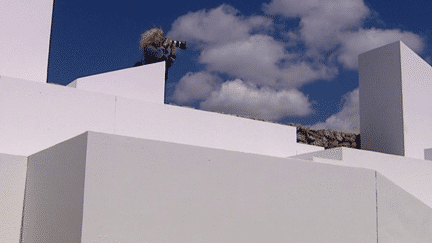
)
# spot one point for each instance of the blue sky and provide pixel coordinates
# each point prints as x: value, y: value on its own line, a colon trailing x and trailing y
x: 289, y: 61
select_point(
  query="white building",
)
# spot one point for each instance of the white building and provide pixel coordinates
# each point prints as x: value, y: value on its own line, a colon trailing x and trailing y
x: 105, y: 160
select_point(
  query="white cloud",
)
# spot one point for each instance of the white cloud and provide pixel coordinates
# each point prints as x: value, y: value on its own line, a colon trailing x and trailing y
x: 321, y: 21
x: 195, y: 86
x: 325, y: 25
x: 267, y: 75
x: 256, y: 60
x: 235, y: 45
x: 355, y: 43
x: 238, y: 97
x: 219, y: 25
x: 347, y: 119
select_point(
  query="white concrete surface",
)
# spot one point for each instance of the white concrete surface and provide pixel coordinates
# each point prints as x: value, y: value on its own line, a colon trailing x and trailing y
x: 381, y: 113
x: 395, y: 101
x: 25, y: 37
x: 36, y: 116
x: 207, y: 129
x: 412, y: 175
x: 417, y: 96
x: 145, y: 82
x: 100, y: 187
x: 401, y: 217
x: 139, y: 190
x: 53, y: 206
x: 12, y: 186
x: 428, y: 154
x: 306, y: 148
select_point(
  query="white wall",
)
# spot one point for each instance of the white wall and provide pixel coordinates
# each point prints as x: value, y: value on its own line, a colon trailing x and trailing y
x: 145, y: 82
x: 412, y: 175
x: 201, y: 128
x: 401, y: 217
x: 381, y: 114
x: 37, y: 116
x: 417, y: 105
x: 54, y: 192
x: 139, y: 190
x: 24, y: 38
x: 12, y: 188
x: 395, y: 101
x: 34, y: 116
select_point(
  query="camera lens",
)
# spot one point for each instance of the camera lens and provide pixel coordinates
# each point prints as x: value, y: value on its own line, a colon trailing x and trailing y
x: 180, y: 44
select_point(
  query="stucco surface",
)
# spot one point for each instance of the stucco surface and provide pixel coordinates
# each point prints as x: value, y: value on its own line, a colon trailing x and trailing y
x: 417, y: 106
x: 145, y: 82
x: 35, y: 116
x: 38, y: 116
x: 54, y: 193
x: 401, y: 217
x: 99, y: 187
x: 395, y: 107
x: 12, y: 185
x: 381, y: 113
x: 140, y: 190
x: 25, y: 37
x: 207, y: 129
x: 412, y: 175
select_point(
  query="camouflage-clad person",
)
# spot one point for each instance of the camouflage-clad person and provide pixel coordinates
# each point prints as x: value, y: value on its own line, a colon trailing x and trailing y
x: 157, y: 48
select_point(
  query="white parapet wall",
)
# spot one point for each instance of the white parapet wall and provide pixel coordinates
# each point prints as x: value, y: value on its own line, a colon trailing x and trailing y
x: 110, y: 188
x: 145, y: 82
x: 404, y: 191
x: 395, y: 101
x: 25, y: 31
x: 160, y: 191
x: 412, y: 175
x: 36, y: 116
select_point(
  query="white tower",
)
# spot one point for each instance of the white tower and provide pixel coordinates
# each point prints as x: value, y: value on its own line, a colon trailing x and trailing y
x: 395, y: 101
x: 25, y: 31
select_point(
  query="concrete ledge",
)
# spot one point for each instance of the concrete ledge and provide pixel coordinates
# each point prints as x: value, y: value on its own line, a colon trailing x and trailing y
x: 35, y: 116
x: 412, y: 175
x: 145, y: 83
x: 42, y: 115
x: 401, y: 217
x: 202, y: 128
x: 137, y: 190
x: 306, y: 148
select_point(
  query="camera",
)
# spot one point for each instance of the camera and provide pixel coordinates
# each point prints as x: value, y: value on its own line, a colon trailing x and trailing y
x: 180, y: 44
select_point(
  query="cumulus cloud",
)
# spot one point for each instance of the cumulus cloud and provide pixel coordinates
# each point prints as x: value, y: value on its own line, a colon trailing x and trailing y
x: 347, y: 119
x: 238, y: 97
x: 326, y: 25
x: 195, y: 86
x: 268, y: 71
x: 321, y: 21
x: 217, y: 26
x: 256, y: 59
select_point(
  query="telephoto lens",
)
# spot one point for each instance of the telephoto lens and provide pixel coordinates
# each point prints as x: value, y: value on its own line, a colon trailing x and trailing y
x: 180, y: 44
